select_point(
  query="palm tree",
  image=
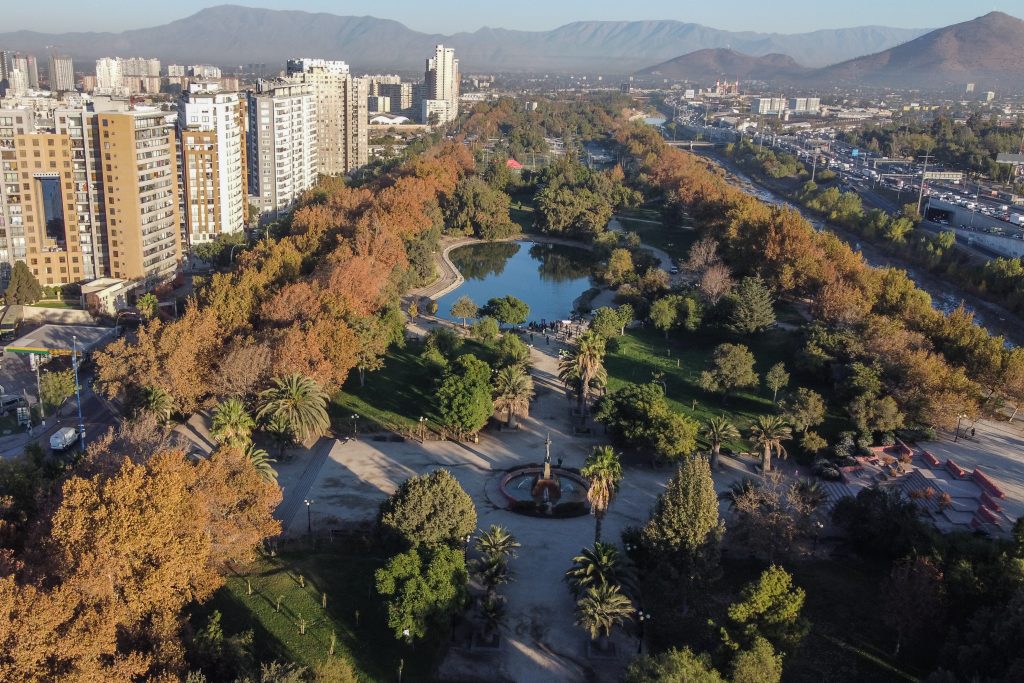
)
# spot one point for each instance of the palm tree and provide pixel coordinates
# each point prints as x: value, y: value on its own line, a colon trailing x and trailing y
x: 298, y: 403
x: 600, y: 609
x: 768, y: 433
x: 497, y: 542
x: 583, y: 366
x: 492, y: 609
x: 261, y: 460
x: 717, y: 431
x: 603, y: 471
x: 232, y: 423
x: 513, y: 389
x: 598, y: 565
x: 157, y: 401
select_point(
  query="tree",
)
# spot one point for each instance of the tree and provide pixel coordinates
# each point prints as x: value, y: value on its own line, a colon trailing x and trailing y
x: 373, y: 342
x: 157, y: 401
x: 663, y: 314
x: 776, y: 378
x: 583, y: 366
x: 232, y: 424
x: 55, y: 388
x: 805, y: 409
x: 620, y: 267
x: 601, y: 564
x: 716, y: 282
x: 496, y: 547
x: 812, y: 442
x: 147, y: 305
x: 876, y: 414
x: 732, y: 367
x: 769, y: 608
x: 464, y: 400
x: 513, y: 390
x: 752, y: 307
x: 611, y: 322
x: 507, y: 309
x: 602, y: 608
x: 717, y: 431
x: 673, y: 666
x: 638, y: 416
x: 478, y: 208
x: 486, y: 329
x: 464, y: 308
x: 298, y: 403
x: 413, y: 310
x: 768, y: 433
x: 23, y: 287
x: 425, y: 587
x: 914, y: 599
x: 512, y: 352
x: 261, y: 462
x: 603, y: 472
x: 429, y: 509
x: 759, y: 664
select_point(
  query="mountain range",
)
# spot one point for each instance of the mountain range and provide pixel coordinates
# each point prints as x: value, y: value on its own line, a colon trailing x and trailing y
x: 986, y: 50
x: 230, y: 34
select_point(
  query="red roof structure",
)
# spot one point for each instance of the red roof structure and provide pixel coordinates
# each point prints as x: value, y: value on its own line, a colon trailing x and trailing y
x: 514, y: 165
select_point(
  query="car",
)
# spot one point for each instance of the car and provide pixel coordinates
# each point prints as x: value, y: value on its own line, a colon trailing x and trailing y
x: 674, y: 271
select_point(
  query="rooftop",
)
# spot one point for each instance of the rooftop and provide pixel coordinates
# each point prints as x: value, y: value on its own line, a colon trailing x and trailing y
x: 60, y: 339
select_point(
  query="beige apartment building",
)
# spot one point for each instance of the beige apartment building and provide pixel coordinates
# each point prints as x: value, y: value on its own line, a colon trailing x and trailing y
x: 342, y: 113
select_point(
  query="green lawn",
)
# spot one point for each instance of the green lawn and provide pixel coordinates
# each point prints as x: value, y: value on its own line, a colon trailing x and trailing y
x: 522, y: 211
x: 671, y: 239
x: 643, y: 352
x: 58, y: 303
x: 354, y: 613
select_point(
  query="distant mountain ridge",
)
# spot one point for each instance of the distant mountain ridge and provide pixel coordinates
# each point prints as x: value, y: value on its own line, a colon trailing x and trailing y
x: 230, y: 34
x: 718, y: 63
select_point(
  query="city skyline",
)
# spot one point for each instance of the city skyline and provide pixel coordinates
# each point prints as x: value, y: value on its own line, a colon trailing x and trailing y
x: 786, y: 16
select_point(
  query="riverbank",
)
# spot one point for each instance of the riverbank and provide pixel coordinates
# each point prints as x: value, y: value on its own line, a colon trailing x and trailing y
x: 945, y: 295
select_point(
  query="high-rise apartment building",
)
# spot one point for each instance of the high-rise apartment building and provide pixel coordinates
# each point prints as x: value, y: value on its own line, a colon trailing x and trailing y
x: 109, y: 76
x: 211, y: 125
x: 62, y: 73
x: 175, y: 71
x: 341, y: 109
x: 134, y: 75
x: 441, y: 87
x: 17, y: 83
x: 27, y: 65
x: 767, y: 105
x: 281, y: 144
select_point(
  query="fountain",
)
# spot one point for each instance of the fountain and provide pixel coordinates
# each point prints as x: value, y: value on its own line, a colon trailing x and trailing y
x: 545, y: 490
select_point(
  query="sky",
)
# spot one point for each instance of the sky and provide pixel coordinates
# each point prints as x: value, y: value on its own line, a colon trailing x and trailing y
x: 452, y: 16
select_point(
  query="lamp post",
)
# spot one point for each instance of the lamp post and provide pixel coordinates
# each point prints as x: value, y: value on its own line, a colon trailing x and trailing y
x: 956, y: 435
x: 309, y: 516
x: 78, y: 392
x: 641, y: 618
x: 354, y: 418
x: 231, y: 257
x: 423, y: 432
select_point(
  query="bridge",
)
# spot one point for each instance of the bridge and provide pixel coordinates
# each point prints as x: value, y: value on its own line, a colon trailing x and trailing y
x: 694, y: 144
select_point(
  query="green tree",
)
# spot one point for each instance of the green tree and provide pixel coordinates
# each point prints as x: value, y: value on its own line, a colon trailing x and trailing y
x: 812, y: 442
x: 717, y: 431
x: 55, y: 388
x: 232, y: 424
x: 496, y: 547
x: 759, y: 664
x: 507, y: 309
x: 464, y: 401
x: 673, y: 666
x: 583, y: 366
x: 663, y: 314
x: 638, y: 416
x: 429, y: 509
x: 479, y: 209
x: 804, y: 409
x: 424, y: 588
x: 513, y: 390
x: 147, y: 305
x: 732, y: 367
x: 753, y: 307
x: 776, y: 378
x: 23, y: 287
x: 512, y: 352
x: 914, y: 598
x: 602, y: 564
x: 464, y: 308
x: 260, y: 460
x: 602, y: 608
x: 486, y: 329
x: 156, y: 400
x: 768, y: 608
x: 611, y: 322
x: 768, y: 433
x: 620, y: 267
x: 685, y: 518
x: 298, y: 403
x: 603, y: 472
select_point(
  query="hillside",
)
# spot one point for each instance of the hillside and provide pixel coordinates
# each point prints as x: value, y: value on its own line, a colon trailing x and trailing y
x: 230, y: 35
x: 714, y: 64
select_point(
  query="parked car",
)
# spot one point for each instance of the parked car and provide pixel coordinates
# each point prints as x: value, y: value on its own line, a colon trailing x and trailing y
x: 63, y: 439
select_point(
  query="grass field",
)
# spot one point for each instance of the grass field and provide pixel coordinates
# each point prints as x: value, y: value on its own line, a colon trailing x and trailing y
x: 355, y: 614
x: 648, y: 224
x: 57, y: 303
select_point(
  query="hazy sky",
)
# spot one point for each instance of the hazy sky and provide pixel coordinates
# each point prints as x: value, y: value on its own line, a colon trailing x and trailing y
x: 451, y: 16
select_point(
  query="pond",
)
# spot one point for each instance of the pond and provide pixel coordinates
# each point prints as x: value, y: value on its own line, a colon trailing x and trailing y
x: 548, y: 277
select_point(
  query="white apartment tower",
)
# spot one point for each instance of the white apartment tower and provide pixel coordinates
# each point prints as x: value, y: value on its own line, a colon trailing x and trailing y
x: 109, y: 76
x: 441, y: 85
x: 342, y: 114
x: 211, y: 125
x: 282, y: 144
x: 62, y: 73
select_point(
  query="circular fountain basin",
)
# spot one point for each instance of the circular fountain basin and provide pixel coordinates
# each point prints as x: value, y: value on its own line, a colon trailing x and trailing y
x: 517, y: 486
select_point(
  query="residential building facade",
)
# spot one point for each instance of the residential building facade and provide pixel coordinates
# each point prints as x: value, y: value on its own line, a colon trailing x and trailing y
x: 341, y: 109
x: 62, y: 73
x: 441, y: 85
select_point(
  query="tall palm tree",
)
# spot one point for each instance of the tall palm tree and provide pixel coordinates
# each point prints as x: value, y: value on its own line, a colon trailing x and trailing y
x: 261, y: 460
x: 157, y: 401
x: 603, y: 472
x: 232, y: 423
x: 583, y: 366
x: 513, y: 389
x: 602, y: 608
x: 768, y: 433
x: 601, y: 564
x: 497, y: 542
x: 297, y: 402
x: 717, y: 431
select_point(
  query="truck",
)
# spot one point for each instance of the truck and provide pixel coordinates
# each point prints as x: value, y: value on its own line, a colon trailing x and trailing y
x: 63, y: 439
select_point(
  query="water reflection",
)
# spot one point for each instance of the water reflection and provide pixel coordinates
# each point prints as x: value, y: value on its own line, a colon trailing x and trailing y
x: 559, y: 263
x: 484, y: 259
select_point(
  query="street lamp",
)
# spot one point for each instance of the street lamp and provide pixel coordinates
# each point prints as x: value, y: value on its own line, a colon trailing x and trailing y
x: 354, y: 418
x: 309, y: 516
x: 78, y: 392
x: 956, y: 435
x: 641, y: 617
x: 423, y: 432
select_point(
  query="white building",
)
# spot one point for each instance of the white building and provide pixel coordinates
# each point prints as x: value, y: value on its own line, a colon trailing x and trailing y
x: 767, y: 105
x: 341, y: 106
x: 109, y: 76
x: 211, y: 127
x: 175, y: 71
x: 204, y: 72
x: 281, y: 147
x: 441, y: 84
x: 62, y: 73
x: 17, y: 82
x: 804, y: 105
